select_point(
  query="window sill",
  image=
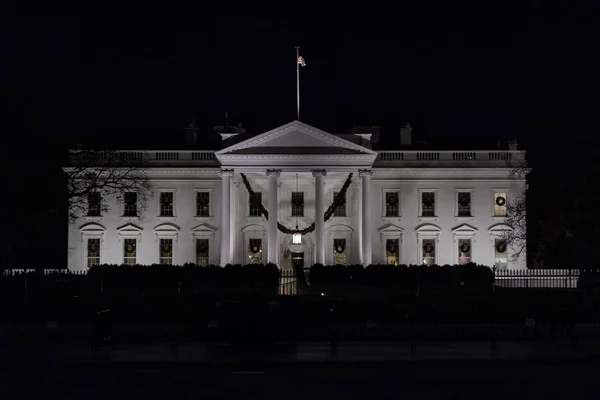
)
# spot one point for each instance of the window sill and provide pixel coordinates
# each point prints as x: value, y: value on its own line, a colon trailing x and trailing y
x: 388, y: 218
x: 93, y: 218
x: 494, y: 218
x: 207, y: 218
x: 429, y: 218
x: 165, y: 218
x: 471, y: 218
x: 123, y: 217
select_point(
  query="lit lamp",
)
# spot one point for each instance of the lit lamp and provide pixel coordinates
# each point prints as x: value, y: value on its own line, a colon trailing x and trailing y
x: 297, y: 237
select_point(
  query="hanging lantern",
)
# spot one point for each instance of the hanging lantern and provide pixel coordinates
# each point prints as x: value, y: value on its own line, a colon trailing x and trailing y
x: 297, y: 238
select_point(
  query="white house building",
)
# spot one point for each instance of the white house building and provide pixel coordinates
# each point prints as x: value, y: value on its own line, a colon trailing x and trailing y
x: 400, y: 206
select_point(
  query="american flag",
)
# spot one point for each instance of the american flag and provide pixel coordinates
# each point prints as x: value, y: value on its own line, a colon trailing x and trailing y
x: 301, y: 61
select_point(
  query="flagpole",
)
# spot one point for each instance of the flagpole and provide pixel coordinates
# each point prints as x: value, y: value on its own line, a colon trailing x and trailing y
x: 298, y: 81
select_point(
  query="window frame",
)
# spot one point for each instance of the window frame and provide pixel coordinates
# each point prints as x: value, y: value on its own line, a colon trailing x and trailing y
x: 92, y: 231
x: 436, y: 201
x: 211, y: 200
x: 291, y: 196
x: 428, y: 231
x: 124, y: 207
x: 471, y: 192
x: 384, y: 203
x: 332, y: 197
x: 493, y: 203
x: 464, y: 231
x: 94, y: 216
x: 129, y: 231
x: 249, y: 206
x: 205, y: 231
x: 392, y: 232
x: 159, y: 216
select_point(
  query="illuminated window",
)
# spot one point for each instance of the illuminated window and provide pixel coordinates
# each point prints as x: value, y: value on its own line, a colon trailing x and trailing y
x: 340, y: 252
x: 255, y: 251
x: 93, y: 252
x: 202, y: 252
x: 500, y: 204
x: 129, y: 251
x: 166, y: 251
x: 392, y: 251
x: 464, y: 251
x: 500, y: 254
x: 428, y: 251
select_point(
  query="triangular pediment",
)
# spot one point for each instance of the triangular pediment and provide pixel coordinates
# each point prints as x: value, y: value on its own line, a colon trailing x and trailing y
x: 129, y: 228
x: 390, y: 228
x: 465, y: 228
x: 295, y: 138
x: 204, y: 228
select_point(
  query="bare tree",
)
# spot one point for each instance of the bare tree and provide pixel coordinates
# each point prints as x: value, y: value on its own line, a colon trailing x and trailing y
x: 110, y: 173
x: 516, y: 214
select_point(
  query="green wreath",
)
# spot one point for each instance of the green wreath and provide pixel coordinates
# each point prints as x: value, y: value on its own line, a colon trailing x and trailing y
x: 500, y: 201
x: 130, y: 248
x: 392, y: 247
x: 465, y: 247
x: 93, y: 247
x: 202, y: 248
x: 501, y: 246
x: 428, y: 201
x: 339, y: 248
x: 464, y: 201
x: 167, y: 247
x: 428, y: 248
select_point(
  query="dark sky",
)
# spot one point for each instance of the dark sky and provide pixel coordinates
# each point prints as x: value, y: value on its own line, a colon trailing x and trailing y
x: 491, y: 72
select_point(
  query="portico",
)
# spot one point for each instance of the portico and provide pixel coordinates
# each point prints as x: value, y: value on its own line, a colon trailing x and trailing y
x: 274, y: 161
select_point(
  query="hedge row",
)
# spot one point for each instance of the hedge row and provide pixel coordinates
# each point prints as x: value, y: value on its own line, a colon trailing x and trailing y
x: 402, y: 276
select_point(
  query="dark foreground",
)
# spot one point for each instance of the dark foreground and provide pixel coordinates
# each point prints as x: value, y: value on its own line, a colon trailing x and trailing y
x: 305, y: 381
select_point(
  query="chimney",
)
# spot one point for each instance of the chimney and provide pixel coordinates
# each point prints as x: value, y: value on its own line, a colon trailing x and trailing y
x: 370, y: 133
x: 191, y: 134
x: 513, y: 145
x: 406, y: 135
x: 227, y: 131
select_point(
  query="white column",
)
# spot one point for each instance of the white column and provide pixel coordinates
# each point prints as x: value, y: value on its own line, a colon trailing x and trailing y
x: 272, y: 247
x: 319, y: 175
x: 367, y: 252
x: 226, y: 175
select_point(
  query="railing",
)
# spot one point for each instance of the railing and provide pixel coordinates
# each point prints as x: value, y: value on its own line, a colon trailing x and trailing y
x: 458, y: 158
x: 539, y: 278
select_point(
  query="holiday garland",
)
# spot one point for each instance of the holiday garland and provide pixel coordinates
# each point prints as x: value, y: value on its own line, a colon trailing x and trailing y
x: 339, y: 200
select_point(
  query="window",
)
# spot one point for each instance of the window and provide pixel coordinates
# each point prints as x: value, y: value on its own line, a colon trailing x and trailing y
x: 203, y: 204
x: 464, y: 251
x: 500, y: 254
x: 297, y: 204
x: 94, y: 205
x: 93, y: 252
x: 255, y: 203
x: 255, y: 251
x: 392, y: 251
x: 202, y: 252
x: 392, y: 204
x: 500, y: 201
x: 340, y: 209
x: 428, y: 204
x: 166, y: 204
x: 129, y: 251
x: 428, y: 251
x: 463, y: 201
x: 166, y: 251
x: 339, y: 252
x: 130, y: 205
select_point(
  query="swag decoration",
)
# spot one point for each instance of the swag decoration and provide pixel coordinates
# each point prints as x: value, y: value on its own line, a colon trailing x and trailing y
x: 500, y: 201
x: 465, y: 247
x: 392, y: 247
x: 339, y: 200
x: 428, y: 248
x: 501, y: 246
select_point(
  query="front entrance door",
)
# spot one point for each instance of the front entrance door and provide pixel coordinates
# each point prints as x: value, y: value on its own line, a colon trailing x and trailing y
x: 297, y: 259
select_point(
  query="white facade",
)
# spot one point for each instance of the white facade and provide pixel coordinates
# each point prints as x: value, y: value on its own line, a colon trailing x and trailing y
x: 299, y: 158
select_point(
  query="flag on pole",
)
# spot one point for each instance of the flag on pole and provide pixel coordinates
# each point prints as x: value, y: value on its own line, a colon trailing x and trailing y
x: 301, y: 61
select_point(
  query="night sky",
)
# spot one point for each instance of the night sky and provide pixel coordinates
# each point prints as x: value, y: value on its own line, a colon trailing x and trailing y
x: 493, y: 72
